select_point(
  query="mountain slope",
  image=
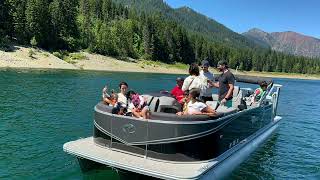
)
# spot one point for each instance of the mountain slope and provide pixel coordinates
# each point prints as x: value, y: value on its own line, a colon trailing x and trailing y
x: 259, y: 36
x: 287, y: 42
x: 194, y: 22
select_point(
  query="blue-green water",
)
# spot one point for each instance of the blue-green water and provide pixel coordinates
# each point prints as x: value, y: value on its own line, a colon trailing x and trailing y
x: 41, y: 110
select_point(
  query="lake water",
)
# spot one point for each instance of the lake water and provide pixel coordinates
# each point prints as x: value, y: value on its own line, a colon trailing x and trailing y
x: 41, y: 110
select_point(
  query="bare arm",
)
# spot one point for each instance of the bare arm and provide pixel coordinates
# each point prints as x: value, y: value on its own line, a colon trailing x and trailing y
x: 185, y: 85
x: 213, y: 84
x: 107, y: 101
x: 230, y: 91
x: 209, y: 111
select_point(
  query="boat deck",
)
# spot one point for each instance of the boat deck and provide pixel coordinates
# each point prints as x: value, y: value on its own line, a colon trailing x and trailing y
x: 86, y: 148
x: 219, y: 167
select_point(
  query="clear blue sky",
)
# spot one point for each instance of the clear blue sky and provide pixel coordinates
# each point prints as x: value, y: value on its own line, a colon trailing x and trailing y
x: 302, y: 16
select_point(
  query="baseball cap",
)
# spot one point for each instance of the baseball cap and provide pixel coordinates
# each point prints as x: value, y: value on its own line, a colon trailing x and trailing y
x: 180, y: 79
x: 205, y: 63
x: 223, y: 62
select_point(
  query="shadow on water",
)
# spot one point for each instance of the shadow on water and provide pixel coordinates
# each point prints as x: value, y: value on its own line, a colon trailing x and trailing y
x: 105, y: 172
x: 260, y: 161
x: 93, y: 170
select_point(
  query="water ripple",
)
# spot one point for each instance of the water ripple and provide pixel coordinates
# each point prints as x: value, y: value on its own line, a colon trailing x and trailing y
x: 41, y: 110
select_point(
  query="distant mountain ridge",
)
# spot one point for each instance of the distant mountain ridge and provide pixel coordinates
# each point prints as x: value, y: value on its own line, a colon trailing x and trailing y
x: 193, y: 21
x: 196, y: 23
x: 287, y: 42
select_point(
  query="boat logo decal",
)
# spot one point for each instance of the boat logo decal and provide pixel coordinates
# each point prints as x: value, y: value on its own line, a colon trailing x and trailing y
x: 129, y: 128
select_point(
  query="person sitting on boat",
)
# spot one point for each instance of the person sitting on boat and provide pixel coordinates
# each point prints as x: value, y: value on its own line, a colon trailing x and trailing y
x: 119, y: 109
x: 177, y: 92
x: 110, y: 100
x: 196, y: 107
x: 122, y: 98
x: 185, y: 101
x: 138, y: 106
x: 259, y: 92
x: 193, y: 80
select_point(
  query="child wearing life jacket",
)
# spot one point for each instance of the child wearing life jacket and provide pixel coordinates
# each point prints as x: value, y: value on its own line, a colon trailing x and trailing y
x: 259, y: 92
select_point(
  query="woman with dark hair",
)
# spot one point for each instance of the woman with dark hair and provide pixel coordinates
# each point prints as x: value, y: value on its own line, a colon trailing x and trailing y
x: 123, y: 86
x: 193, y: 80
x: 195, y: 106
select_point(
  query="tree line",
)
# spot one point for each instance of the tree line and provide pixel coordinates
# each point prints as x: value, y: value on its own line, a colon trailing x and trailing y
x: 107, y: 28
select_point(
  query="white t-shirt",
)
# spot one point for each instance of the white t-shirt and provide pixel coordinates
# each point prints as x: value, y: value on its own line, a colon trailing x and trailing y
x: 195, y: 107
x: 206, y: 91
x: 122, y: 99
x: 192, y: 82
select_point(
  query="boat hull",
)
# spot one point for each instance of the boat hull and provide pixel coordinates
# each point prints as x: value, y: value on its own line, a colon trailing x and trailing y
x: 232, y: 159
x: 182, y: 141
x: 216, y: 168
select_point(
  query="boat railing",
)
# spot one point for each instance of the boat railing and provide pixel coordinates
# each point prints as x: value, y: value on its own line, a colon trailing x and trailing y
x: 275, y: 98
x: 272, y: 96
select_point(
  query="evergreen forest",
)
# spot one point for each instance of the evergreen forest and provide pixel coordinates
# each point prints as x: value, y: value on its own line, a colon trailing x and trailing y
x: 109, y: 28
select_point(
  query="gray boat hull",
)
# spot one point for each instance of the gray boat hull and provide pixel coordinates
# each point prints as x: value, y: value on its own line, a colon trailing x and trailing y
x: 174, y: 139
x: 233, y: 158
x: 217, y: 168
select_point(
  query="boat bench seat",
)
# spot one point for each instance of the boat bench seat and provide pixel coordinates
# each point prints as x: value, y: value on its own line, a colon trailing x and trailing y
x: 168, y: 116
x: 105, y: 108
x: 226, y: 111
x: 173, y: 117
x: 222, y: 109
x: 238, y: 95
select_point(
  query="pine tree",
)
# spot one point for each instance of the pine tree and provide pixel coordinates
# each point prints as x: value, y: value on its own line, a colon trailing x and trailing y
x: 84, y: 23
x: 106, y: 10
x: 37, y: 19
x: 148, y: 40
x: 63, y: 18
x: 5, y: 19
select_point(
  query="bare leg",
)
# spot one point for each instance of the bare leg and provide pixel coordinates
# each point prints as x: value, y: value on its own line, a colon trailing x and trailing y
x: 145, y: 113
x: 148, y: 114
x: 135, y: 113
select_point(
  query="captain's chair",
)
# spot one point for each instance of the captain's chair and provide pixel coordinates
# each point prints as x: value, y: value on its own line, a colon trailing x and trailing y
x: 236, y: 100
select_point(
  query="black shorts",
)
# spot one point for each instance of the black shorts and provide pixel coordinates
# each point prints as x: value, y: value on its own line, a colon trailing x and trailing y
x: 205, y: 99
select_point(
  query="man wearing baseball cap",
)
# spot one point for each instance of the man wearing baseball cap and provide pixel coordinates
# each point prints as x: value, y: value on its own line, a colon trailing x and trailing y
x: 206, y: 75
x: 225, y: 84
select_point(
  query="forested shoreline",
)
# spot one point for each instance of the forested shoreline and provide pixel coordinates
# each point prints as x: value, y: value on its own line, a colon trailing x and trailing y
x: 107, y: 28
